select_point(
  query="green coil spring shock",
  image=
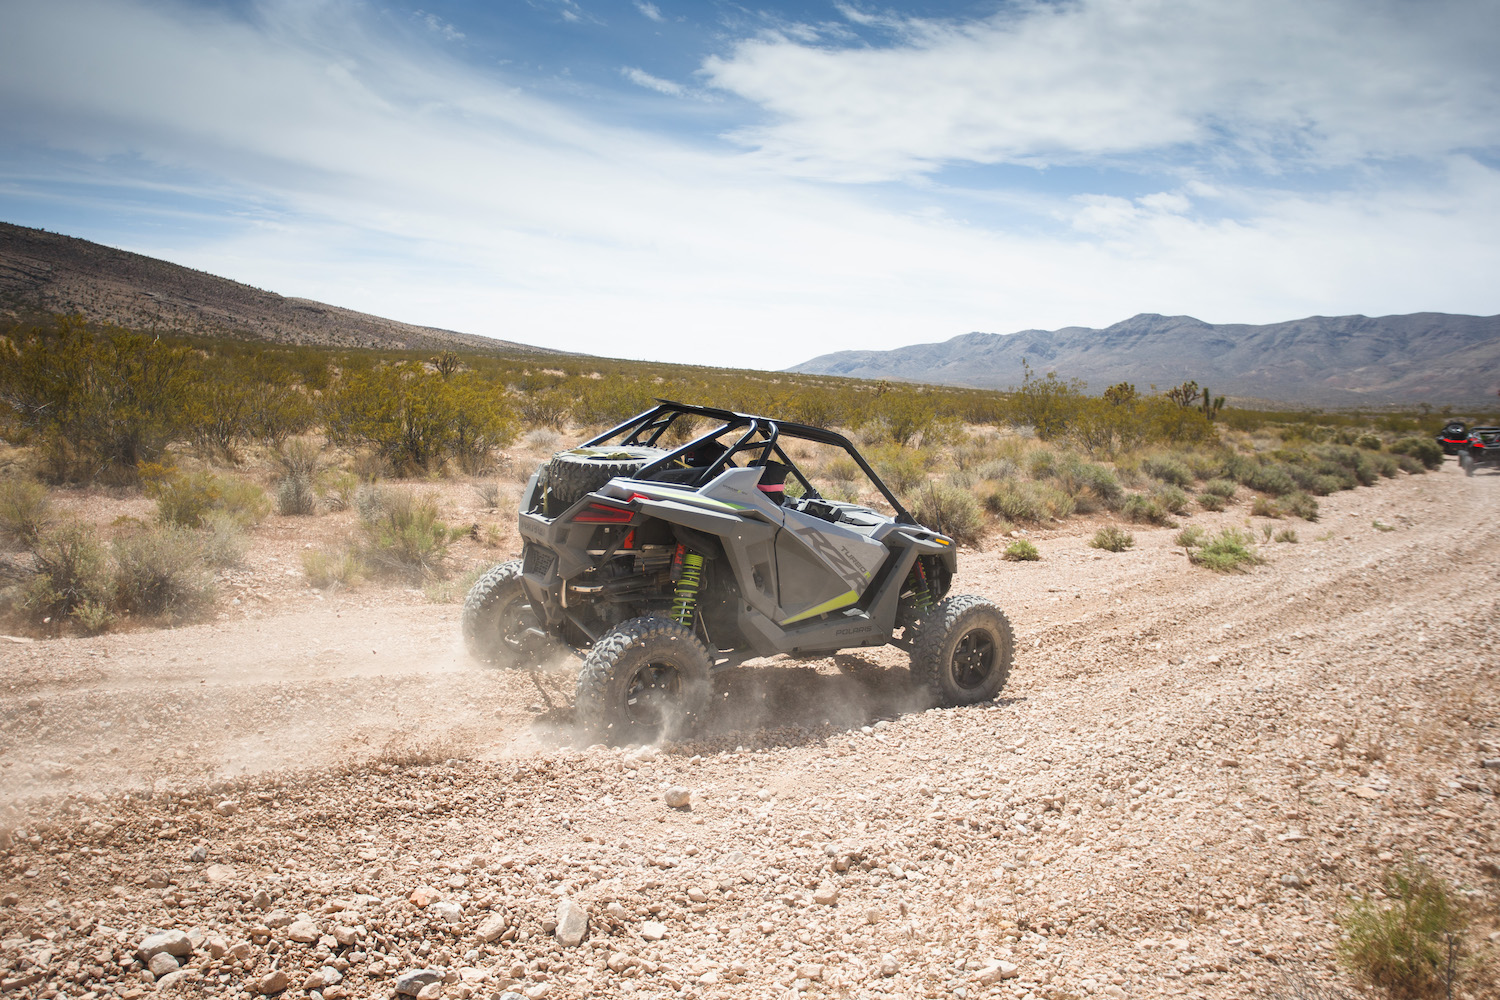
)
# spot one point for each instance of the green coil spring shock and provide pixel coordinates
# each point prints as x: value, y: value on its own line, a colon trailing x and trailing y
x: 689, y: 582
x: 920, y: 595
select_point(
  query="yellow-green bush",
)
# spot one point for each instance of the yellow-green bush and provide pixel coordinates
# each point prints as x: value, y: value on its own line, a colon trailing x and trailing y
x: 1413, y: 943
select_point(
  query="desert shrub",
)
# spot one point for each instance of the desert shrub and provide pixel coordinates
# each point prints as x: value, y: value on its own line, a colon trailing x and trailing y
x: 1402, y: 946
x: 1368, y: 441
x: 843, y: 469
x: 370, y: 501
x: 839, y: 489
x: 1091, y: 486
x: 295, y: 495
x: 222, y: 540
x: 300, y: 458
x: 338, y: 489
x: 547, y: 408
x: 1266, y: 507
x: 1386, y: 465
x: 951, y: 510
x: 1147, y: 509
x: 1269, y: 477
x: 1220, y: 488
x: 1190, y: 536
x: 25, y: 511
x: 1042, y: 463
x: 1424, y: 450
x: 185, y: 499
x: 1323, y: 483
x: 488, y: 492
x: 997, y: 469
x: 1112, y: 539
x: 1172, y: 498
x: 160, y: 572
x: 1228, y: 551
x: 331, y: 567
x: 72, y: 575
x: 1287, y: 535
x: 1167, y: 468
x: 454, y: 589
x: 1299, y: 504
x: 1021, y: 550
x: 1211, y: 501
x: 900, y: 470
x: 1409, y: 465
x: 404, y: 536
x: 543, y: 439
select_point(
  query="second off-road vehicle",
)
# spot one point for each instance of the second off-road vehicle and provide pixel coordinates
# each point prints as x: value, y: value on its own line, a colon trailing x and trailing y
x: 1481, y: 450
x: 662, y: 562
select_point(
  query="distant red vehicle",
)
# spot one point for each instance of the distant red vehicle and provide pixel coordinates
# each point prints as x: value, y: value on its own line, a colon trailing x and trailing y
x: 1454, y: 438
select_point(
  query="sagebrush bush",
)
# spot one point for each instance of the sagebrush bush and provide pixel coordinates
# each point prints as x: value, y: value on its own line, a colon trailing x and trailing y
x: 331, y: 567
x: 1368, y: 441
x: 1424, y: 450
x: 295, y: 496
x: 1211, y: 501
x: 404, y: 536
x: 1410, y: 465
x: 1112, y: 539
x: 1167, y: 468
x: 1299, y: 504
x: 185, y: 499
x: 1266, y: 507
x: 1021, y: 550
x: 951, y: 510
x: 1173, y: 498
x: 1224, y: 488
x: 1228, y: 551
x: 1269, y: 477
x: 370, y: 501
x: 1143, y: 508
x: 997, y: 470
x: 301, y: 458
x: 901, y: 470
x: 338, y: 489
x: 1190, y: 536
x: 25, y: 511
x: 1287, y: 535
x: 160, y: 572
x: 72, y: 574
x: 1402, y: 945
x: 1091, y: 486
x: 222, y: 540
x: 543, y: 439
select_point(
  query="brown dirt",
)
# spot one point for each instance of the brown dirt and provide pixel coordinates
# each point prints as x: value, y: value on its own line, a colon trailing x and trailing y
x: 1185, y: 782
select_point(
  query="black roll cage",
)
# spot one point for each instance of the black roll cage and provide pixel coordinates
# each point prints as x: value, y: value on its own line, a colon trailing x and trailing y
x: 760, y: 437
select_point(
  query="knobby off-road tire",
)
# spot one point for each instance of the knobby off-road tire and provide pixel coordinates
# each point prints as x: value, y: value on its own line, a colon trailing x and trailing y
x: 645, y: 680
x: 1466, y: 462
x: 572, y: 475
x: 964, y: 651
x: 496, y: 620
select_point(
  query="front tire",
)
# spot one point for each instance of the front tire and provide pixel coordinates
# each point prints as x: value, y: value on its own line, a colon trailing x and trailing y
x: 645, y: 680
x: 964, y: 651
x: 1467, y: 462
x: 498, y: 619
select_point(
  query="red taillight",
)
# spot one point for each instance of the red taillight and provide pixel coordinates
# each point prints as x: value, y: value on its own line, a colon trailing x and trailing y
x: 598, y: 513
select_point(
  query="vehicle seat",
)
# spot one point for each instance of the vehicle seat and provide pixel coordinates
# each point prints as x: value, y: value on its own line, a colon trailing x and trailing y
x: 773, y: 480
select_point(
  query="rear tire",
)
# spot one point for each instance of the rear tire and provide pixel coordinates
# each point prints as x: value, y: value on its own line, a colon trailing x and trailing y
x: 497, y: 620
x: 572, y: 475
x: 964, y: 651
x: 645, y: 680
x: 1466, y: 461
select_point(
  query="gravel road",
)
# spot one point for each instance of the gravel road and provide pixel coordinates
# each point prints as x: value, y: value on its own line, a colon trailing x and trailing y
x: 1185, y: 782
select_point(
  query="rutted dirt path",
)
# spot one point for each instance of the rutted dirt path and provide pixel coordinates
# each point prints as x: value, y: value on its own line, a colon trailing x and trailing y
x: 1185, y: 780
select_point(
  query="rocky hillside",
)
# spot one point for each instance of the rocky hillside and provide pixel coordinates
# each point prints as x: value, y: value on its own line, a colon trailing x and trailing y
x: 55, y: 273
x: 1339, y: 360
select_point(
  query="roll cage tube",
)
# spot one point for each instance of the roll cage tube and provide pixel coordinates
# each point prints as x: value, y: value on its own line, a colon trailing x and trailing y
x: 645, y: 429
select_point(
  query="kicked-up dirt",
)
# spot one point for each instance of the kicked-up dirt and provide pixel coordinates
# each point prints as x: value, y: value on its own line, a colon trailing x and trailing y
x: 1186, y: 783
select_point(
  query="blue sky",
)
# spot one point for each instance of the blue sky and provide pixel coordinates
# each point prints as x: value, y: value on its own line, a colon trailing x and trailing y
x: 752, y: 184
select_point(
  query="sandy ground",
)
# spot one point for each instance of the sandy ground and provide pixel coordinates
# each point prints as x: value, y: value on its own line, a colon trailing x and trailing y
x: 1185, y: 782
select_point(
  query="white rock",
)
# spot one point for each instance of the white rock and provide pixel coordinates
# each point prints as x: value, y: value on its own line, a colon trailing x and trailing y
x: 493, y: 926
x: 572, y: 923
x: 175, y: 943
x: 653, y: 930
x: 303, y: 931
x: 826, y: 896
x: 888, y: 965
x: 678, y: 797
x: 447, y: 912
x: 162, y: 964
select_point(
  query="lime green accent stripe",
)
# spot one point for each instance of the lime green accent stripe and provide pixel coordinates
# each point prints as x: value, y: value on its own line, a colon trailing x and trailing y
x: 687, y: 496
x: 841, y: 601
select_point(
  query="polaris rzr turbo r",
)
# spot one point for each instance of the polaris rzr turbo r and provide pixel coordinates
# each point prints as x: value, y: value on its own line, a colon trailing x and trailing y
x: 661, y: 562
x: 1454, y: 437
x: 1482, y: 449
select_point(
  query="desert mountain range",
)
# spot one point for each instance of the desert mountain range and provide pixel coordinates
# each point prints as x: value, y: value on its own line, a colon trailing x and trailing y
x: 1323, y: 360
x: 50, y: 272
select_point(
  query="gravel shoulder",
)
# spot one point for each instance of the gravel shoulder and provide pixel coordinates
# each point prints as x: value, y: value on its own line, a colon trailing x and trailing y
x: 1187, y: 778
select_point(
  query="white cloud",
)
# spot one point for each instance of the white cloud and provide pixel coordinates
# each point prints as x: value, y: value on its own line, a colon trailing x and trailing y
x: 641, y: 78
x: 650, y: 10
x: 1268, y: 83
x: 438, y: 26
x: 378, y: 173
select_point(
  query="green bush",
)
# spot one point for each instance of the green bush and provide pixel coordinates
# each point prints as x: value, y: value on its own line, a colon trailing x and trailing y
x: 295, y: 496
x: 1172, y: 498
x: 1190, y: 536
x: 1112, y: 539
x: 1409, y: 465
x: 1299, y: 504
x: 72, y: 575
x: 404, y: 536
x: 1211, y: 501
x: 1091, y: 486
x: 186, y: 499
x: 1145, y: 509
x: 331, y: 567
x: 1167, y: 468
x: 160, y: 572
x: 900, y: 469
x: 222, y: 540
x: 951, y: 510
x: 1424, y: 450
x: 1386, y: 465
x: 1368, y: 441
x: 25, y: 511
x: 1287, y: 535
x: 1228, y: 551
x: 1224, y: 488
x: 1266, y: 507
x: 338, y: 489
x: 1269, y: 477
x: 997, y: 470
x: 1021, y: 550
x: 1402, y: 946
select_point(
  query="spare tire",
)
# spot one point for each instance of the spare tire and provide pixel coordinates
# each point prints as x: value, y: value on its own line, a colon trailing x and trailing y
x: 572, y: 475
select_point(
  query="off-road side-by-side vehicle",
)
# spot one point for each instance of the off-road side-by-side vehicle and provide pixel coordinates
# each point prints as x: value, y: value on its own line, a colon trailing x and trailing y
x: 662, y: 562
x: 1454, y: 437
x: 1482, y: 449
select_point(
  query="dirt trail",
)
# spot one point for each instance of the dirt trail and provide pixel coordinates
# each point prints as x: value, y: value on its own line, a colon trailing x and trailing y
x: 1187, y: 777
